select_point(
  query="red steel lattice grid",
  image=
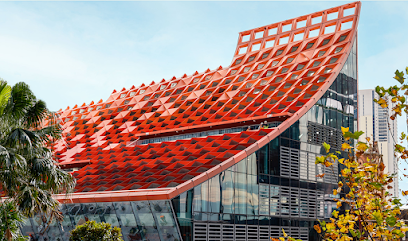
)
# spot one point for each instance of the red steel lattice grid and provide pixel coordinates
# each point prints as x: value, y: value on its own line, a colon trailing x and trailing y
x: 278, y: 72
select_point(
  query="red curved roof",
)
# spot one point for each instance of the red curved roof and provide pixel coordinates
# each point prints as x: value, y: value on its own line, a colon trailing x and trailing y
x: 277, y: 73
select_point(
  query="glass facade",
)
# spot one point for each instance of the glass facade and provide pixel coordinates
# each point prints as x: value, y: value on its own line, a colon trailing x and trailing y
x: 145, y: 220
x: 276, y: 187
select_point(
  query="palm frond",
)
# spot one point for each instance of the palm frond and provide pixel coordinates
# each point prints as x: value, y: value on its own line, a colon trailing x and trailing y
x: 21, y: 99
x: 5, y: 94
x: 35, y: 114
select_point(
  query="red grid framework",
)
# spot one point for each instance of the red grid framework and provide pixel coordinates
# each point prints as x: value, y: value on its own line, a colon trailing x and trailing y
x: 277, y: 82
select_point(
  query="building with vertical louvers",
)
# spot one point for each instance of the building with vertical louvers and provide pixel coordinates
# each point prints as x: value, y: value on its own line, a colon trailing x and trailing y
x: 225, y: 154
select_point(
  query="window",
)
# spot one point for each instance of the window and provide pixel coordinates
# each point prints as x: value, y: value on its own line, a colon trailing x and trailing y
x: 90, y: 109
x: 83, y: 116
x: 246, y: 69
x: 254, y: 76
x: 132, y: 93
x: 321, y: 53
x: 342, y: 37
x: 263, y: 82
x: 73, y: 112
x: 289, y: 60
x: 142, y: 91
x: 310, y: 73
x: 162, y: 87
x: 238, y: 61
x: 274, y: 63
x: 251, y: 58
x: 260, y: 66
x: 338, y: 49
x: 265, y: 55
x: 81, y: 110
x: 309, y: 45
x: 107, y: 105
x: 326, y: 41
x: 316, y: 63
x: 208, y: 77
x: 269, y: 73
x: 122, y: 96
x: 333, y: 60
x: 173, y: 84
x: 196, y: 80
x: 98, y: 107
x: 294, y: 48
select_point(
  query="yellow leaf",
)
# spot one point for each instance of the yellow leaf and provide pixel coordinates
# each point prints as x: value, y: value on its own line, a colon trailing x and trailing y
x: 345, y: 146
x: 317, y: 228
x: 344, y: 230
x: 334, y: 192
x: 330, y: 226
x: 338, y: 204
x: 284, y: 234
x: 362, y: 146
x: 344, y: 130
x: 281, y: 239
x: 335, y: 213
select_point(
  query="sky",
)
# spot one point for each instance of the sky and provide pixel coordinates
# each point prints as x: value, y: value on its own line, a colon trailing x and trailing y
x: 77, y: 52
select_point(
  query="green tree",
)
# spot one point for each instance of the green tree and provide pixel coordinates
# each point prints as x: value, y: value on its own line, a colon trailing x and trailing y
x: 29, y: 174
x: 10, y: 219
x: 92, y: 230
x: 370, y: 212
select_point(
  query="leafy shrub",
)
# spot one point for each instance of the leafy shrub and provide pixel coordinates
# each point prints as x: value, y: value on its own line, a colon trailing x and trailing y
x: 92, y: 231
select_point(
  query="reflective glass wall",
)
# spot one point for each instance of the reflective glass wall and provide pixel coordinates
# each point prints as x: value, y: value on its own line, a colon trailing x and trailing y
x: 276, y: 187
x: 146, y: 220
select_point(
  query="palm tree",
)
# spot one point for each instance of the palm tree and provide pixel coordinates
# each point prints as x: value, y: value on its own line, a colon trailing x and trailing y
x: 29, y: 174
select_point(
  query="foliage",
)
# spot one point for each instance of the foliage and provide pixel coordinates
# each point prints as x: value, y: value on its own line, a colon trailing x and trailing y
x: 10, y: 219
x: 369, y: 211
x: 29, y: 174
x: 92, y: 230
x: 397, y: 94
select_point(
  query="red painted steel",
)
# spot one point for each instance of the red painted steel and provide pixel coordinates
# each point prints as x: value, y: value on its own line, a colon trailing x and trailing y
x: 279, y: 81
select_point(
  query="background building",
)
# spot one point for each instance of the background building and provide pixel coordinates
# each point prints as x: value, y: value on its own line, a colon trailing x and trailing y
x: 376, y: 124
x: 225, y: 154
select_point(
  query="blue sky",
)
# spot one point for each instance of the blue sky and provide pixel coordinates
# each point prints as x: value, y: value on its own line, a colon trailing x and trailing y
x: 76, y: 52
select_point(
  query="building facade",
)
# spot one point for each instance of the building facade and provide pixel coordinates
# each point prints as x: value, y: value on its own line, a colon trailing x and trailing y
x: 376, y: 124
x: 226, y: 154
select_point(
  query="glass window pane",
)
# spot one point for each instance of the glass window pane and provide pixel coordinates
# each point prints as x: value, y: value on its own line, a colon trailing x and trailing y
x: 240, y: 193
x: 227, y: 188
x: 214, y: 194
